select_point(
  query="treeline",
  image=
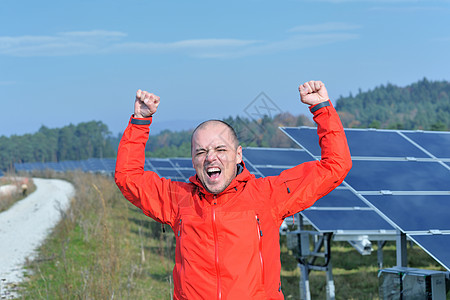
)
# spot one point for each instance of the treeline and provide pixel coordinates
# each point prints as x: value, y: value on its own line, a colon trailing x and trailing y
x: 422, y: 105
x: 73, y: 142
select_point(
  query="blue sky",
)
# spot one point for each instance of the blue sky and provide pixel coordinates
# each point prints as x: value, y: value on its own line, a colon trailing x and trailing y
x: 65, y: 62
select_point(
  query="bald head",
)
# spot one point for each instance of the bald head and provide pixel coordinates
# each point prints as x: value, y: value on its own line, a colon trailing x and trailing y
x: 215, y: 155
x: 221, y: 128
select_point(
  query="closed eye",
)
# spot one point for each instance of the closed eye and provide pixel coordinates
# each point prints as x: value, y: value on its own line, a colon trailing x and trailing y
x: 200, y: 152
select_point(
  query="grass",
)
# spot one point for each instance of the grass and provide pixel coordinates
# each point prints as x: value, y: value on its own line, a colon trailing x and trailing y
x: 6, y: 201
x: 104, y: 248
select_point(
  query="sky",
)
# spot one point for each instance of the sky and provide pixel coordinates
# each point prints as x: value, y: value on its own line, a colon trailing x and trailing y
x: 66, y: 62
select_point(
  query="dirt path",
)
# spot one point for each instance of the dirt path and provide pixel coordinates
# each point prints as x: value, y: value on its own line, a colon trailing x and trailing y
x: 25, y: 226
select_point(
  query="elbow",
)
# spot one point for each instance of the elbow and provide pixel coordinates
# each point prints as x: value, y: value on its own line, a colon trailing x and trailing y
x: 339, y: 168
x: 344, y: 168
x: 120, y: 180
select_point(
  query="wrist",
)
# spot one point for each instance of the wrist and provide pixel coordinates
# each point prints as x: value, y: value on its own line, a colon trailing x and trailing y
x: 315, y: 107
x: 140, y: 116
x: 141, y: 121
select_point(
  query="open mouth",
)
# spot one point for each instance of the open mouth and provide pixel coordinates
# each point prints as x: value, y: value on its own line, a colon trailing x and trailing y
x: 213, y: 172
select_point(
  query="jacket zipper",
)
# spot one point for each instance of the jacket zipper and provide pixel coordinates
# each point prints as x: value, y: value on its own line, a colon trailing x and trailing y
x: 260, y: 234
x: 179, y: 227
x: 216, y: 248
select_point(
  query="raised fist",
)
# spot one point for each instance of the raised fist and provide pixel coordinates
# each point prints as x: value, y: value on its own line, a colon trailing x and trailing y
x: 313, y: 92
x: 145, y: 104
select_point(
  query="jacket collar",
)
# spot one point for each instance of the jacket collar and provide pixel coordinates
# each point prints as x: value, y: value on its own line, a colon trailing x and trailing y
x: 243, y: 175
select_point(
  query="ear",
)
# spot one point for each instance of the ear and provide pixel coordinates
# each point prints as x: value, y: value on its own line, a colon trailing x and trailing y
x: 239, y: 154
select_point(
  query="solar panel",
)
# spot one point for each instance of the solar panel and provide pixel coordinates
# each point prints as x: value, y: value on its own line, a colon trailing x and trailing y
x: 436, y: 245
x: 272, y: 161
x: 160, y: 162
x: 405, y: 175
x: 437, y: 143
x: 415, y: 212
x: 182, y: 162
x: 402, y: 175
x: 371, y: 143
x: 340, y: 198
x: 276, y: 156
x: 346, y: 220
x: 170, y: 173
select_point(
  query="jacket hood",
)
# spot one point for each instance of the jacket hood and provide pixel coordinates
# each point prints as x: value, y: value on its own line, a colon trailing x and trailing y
x: 243, y: 175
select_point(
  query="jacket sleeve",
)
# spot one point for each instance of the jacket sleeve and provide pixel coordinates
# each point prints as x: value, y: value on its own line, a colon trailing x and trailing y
x: 145, y: 189
x: 298, y: 188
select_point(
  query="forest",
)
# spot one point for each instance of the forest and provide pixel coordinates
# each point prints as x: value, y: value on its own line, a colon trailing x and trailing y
x: 422, y: 105
x: 72, y: 142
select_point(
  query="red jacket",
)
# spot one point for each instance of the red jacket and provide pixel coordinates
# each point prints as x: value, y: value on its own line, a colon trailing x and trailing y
x: 227, y: 245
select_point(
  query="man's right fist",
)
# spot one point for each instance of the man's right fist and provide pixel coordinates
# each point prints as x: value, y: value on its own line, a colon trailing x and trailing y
x: 145, y: 104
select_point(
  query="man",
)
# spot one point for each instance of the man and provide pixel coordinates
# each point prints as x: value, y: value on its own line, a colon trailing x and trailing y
x: 225, y: 220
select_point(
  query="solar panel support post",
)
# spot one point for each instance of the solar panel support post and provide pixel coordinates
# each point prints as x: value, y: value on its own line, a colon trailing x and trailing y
x: 402, y: 260
x: 381, y: 244
x: 305, y: 293
x: 307, y: 260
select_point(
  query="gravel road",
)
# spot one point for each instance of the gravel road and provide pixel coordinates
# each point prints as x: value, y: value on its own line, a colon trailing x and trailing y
x: 25, y: 225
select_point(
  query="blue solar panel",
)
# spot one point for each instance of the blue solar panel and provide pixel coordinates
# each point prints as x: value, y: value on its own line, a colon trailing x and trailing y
x: 333, y: 220
x: 182, y: 162
x: 306, y: 137
x: 148, y: 166
x: 250, y: 168
x: 110, y: 164
x: 381, y: 144
x: 340, y: 198
x: 372, y: 143
x: 276, y: 157
x: 398, y: 176
x: 415, y: 212
x: 399, y: 163
x: 160, y: 163
x: 437, y: 143
x: 437, y: 245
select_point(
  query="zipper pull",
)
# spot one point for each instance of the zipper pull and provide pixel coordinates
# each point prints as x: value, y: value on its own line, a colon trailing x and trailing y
x: 179, y: 227
x: 288, y: 190
x: 259, y: 226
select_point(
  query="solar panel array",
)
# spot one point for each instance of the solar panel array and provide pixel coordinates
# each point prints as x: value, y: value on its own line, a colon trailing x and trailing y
x: 404, y: 176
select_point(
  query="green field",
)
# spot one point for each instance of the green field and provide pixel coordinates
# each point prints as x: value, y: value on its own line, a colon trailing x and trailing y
x: 105, y: 248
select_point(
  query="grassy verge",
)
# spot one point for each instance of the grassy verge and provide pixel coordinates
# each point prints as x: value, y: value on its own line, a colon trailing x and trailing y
x: 6, y: 201
x: 104, y: 248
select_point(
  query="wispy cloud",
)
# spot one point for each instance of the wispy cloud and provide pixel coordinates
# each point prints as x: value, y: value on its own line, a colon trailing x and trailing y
x: 97, y: 42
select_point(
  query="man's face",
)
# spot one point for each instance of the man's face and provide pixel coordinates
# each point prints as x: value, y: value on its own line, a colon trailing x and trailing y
x: 215, y: 156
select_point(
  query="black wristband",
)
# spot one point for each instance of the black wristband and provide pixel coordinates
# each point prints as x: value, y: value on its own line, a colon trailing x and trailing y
x: 320, y: 105
x: 140, y: 122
